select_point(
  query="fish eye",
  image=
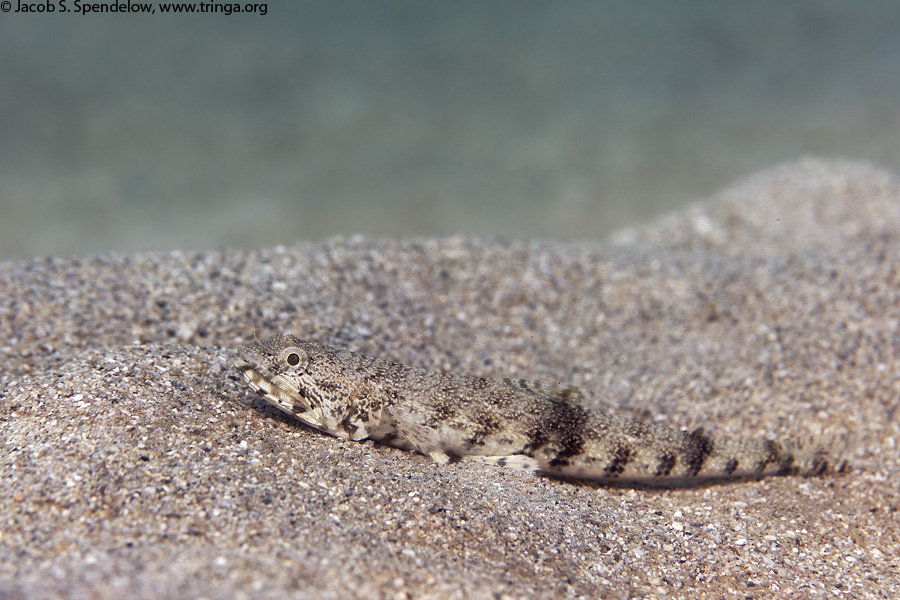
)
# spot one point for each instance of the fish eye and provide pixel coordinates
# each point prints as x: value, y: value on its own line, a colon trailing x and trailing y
x: 295, y: 358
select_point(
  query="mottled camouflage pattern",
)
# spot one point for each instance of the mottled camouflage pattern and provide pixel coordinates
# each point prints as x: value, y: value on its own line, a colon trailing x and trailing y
x: 516, y: 423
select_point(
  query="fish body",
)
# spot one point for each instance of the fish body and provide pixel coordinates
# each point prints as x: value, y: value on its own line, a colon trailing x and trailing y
x: 508, y: 422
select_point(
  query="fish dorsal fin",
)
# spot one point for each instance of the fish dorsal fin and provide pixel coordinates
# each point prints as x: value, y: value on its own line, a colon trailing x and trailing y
x: 554, y: 392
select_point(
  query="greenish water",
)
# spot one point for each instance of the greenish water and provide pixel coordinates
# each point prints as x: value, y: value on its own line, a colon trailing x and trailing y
x: 133, y: 132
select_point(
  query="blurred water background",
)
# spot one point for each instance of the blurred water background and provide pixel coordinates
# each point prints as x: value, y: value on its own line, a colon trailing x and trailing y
x: 511, y: 118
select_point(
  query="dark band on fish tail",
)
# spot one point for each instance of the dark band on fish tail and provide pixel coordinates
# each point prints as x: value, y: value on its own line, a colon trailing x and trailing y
x: 697, y: 448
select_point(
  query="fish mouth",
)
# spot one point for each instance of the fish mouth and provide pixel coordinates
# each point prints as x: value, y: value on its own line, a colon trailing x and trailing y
x: 273, y: 390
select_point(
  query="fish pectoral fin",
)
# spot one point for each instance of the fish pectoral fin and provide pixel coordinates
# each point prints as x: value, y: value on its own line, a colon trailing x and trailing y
x: 422, y: 438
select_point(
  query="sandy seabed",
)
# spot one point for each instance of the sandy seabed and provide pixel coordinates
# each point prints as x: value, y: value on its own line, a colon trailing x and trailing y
x: 136, y: 463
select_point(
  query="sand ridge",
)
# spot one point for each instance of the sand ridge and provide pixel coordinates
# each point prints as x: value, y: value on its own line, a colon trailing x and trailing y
x: 136, y: 462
